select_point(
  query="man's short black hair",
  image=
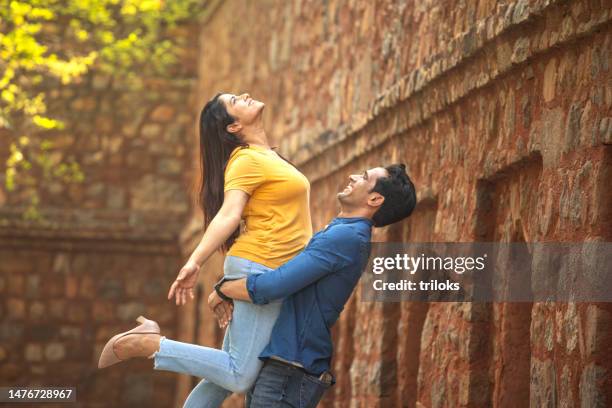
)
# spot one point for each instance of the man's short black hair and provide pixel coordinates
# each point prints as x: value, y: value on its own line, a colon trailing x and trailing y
x: 399, y: 193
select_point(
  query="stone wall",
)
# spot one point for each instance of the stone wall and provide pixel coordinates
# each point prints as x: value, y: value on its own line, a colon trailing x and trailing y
x: 132, y: 145
x: 63, y: 300
x: 107, y: 250
x: 502, y: 111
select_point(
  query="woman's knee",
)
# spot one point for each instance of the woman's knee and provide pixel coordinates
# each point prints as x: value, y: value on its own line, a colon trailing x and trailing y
x: 245, y: 380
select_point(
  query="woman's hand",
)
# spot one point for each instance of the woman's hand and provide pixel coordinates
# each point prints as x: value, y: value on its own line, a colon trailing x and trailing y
x: 222, y: 309
x: 221, y: 227
x: 184, y: 283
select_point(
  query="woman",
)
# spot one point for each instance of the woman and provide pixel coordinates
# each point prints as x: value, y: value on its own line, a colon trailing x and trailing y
x: 243, y: 178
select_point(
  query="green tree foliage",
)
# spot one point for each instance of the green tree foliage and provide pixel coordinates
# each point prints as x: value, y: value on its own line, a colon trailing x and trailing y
x: 116, y: 37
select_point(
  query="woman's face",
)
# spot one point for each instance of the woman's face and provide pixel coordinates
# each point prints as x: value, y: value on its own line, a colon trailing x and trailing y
x: 245, y: 109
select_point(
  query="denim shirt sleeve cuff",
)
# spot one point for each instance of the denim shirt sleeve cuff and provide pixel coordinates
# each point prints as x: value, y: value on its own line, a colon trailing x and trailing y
x: 251, y: 284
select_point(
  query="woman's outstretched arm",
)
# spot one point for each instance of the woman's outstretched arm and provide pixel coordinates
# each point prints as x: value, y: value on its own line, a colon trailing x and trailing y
x: 221, y: 227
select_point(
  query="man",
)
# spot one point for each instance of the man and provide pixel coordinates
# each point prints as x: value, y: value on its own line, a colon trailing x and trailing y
x: 316, y: 285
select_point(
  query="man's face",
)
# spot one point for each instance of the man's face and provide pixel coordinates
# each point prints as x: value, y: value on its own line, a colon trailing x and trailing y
x: 358, y: 191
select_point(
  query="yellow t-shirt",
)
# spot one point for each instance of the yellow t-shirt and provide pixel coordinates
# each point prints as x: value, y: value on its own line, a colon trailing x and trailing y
x: 277, y: 214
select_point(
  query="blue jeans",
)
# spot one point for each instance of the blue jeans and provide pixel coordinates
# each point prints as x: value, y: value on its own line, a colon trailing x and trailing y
x: 236, y: 366
x: 283, y: 386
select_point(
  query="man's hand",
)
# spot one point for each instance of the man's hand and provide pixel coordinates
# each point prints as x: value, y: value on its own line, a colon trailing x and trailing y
x: 222, y: 309
x: 214, y: 300
x: 224, y: 313
x: 184, y: 283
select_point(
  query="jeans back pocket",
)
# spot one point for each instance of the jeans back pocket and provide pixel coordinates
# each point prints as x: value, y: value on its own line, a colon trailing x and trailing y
x: 311, y: 391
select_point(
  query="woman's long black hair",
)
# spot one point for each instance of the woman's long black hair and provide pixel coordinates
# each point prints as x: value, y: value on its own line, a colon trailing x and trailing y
x: 216, y: 145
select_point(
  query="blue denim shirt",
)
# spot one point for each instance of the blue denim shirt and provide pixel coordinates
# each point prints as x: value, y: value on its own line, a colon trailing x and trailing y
x: 316, y: 285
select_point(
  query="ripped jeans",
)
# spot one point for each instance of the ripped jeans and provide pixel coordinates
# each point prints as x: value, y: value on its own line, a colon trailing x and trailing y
x: 236, y: 366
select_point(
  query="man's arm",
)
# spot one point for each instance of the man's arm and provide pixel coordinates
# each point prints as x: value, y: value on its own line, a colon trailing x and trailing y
x: 279, y: 283
x: 236, y: 289
x: 275, y: 285
x: 329, y: 253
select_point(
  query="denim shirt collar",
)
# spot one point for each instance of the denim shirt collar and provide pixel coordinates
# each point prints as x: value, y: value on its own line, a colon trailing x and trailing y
x: 351, y: 220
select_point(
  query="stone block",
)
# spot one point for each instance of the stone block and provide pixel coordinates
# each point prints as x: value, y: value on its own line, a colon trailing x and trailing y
x: 84, y: 104
x: 95, y: 190
x: 37, y: 369
x: 566, y: 394
x: 155, y: 193
x: 37, y: 310
x: 130, y: 310
x: 552, y: 138
x: 151, y: 131
x: 572, y: 127
x: 103, y: 333
x: 594, y: 328
x: 16, y: 283
x: 550, y: 80
x: 104, y: 123
x: 100, y: 82
x: 61, y: 263
x: 111, y: 289
x: 57, y: 308
x: 132, y: 287
x: 10, y: 372
x: 55, y: 351
x: 605, y: 130
x: 521, y: 50
x: 116, y: 197
x: 162, y: 113
x: 77, y: 312
x: 43, y: 331
x: 87, y: 289
x: 32, y: 289
x: 592, y: 388
x: 169, y: 166
x: 71, y: 332
x: 93, y: 159
x: 543, y: 389
x: 33, y: 352
x: 154, y: 287
x: 103, y: 311
x: 163, y: 315
x: 571, y: 327
x: 137, y: 389
x: 54, y: 287
x: 72, y: 286
x: 15, y: 308
x: 112, y: 144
